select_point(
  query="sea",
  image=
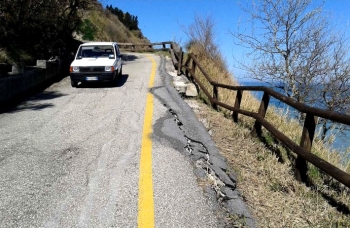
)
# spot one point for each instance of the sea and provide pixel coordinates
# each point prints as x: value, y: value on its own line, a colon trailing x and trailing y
x: 341, y: 142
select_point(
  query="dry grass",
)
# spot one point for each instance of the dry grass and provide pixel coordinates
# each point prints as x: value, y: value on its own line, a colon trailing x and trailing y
x: 267, y: 184
x: 109, y: 28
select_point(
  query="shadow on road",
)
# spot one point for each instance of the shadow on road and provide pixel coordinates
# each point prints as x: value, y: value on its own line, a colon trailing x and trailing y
x: 121, y: 81
x: 31, y: 103
x: 129, y: 57
x: 46, y: 95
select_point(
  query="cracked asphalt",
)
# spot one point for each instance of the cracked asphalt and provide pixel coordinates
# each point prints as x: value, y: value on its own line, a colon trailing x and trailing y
x: 69, y: 157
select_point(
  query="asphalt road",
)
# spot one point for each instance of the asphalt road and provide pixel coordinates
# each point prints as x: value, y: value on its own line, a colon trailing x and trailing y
x: 70, y: 157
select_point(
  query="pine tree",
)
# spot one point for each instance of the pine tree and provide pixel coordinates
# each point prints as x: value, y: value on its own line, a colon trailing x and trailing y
x: 130, y: 21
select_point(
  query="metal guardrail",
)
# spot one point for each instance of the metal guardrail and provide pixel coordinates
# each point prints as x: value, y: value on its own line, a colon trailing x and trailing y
x: 303, y: 150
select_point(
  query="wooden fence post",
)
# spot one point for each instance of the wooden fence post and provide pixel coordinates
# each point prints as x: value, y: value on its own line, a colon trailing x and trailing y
x: 307, y: 138
x: 262, y: 112
x: 179, y: 64
x: 215, y: 97
x: 194, y: 65
x: 237, y: 105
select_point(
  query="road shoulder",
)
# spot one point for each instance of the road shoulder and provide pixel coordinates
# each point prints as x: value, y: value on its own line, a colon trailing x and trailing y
x: 216, y: 179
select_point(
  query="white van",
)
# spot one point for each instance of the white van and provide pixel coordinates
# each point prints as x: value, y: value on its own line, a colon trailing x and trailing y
x: 96, y: 62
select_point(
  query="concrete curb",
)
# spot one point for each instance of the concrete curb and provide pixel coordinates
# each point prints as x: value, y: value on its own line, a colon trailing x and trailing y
x: 209, y: 163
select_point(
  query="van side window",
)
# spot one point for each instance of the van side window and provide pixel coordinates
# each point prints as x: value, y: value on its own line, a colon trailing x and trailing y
x: 116, y: 50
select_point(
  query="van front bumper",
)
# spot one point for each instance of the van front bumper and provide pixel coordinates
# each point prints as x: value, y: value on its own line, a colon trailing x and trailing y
x: 92, y: 76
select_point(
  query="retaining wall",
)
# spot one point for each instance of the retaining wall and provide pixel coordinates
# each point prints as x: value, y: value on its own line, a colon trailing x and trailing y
x: 20, y: 81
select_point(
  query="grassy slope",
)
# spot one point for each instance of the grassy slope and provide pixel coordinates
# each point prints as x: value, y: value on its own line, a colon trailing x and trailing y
x: 107, y: 27
x: 268, y: 185
x: 104, y: 26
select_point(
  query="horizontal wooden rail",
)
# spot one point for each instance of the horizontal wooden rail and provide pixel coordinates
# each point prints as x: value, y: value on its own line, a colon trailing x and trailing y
x: 328, y: 168
x: 146, y: 45
x: 145, y: 50
x: 333, y: 116
x: 174, y: 48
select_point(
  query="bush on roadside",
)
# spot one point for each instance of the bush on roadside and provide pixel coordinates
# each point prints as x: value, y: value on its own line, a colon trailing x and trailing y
x: 87, y: 29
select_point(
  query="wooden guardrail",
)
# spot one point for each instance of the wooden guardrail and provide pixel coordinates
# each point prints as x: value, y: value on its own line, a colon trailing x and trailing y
x: 174, y: 49
x: 303, y: 150
x: 145, y: 47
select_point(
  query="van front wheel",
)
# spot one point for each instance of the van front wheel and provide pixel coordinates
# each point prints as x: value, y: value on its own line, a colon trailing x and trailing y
x: 73, y: 83
x: 121, y: 71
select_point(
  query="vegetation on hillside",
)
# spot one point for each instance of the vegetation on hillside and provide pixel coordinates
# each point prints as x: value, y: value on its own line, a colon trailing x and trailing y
x: 100, y: 24
x: 39, y: 29
x: 130, y: 21
x: 265, y: 168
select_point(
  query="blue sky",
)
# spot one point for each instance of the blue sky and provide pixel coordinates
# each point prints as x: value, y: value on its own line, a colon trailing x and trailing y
x: 164, y: 20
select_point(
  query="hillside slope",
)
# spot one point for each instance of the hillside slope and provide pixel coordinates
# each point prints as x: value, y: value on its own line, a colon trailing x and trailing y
x: 100, y: 24
x: 44, y: 29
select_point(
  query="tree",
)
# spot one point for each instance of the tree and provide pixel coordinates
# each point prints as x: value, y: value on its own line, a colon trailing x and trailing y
x: 202, y: 33
x: 335, y: 90
x: 294, y: 46
x: 130, y: 21
x: 38, y: 29
x: 127, y: 19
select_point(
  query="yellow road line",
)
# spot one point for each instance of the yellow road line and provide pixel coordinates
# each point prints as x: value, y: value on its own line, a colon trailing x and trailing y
x: 146, y: 203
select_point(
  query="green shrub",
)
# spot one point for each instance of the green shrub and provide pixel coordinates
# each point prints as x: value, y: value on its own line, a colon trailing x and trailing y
x: 87, y: 29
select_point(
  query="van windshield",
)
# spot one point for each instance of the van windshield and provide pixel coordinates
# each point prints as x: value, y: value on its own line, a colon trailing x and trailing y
x: 95, y: 51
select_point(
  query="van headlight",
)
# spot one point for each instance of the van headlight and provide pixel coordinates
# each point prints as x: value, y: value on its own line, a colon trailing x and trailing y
x: 109, y: 68
x: 74, y: 69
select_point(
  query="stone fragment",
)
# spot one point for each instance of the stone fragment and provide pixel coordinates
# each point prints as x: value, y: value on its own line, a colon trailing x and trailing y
x: 17, y: 69
x: 237, y: 206
x: 199, y: 172
x: 180, y: 86
x: 201, y: 155
x: 230, y: 193
x: 209, y: 190
x: 191, y: 90
x: 198, y: 148
x: 41, y: 63
x: 215, y: 161
x: 195, y: 157
x: 232, y: 176
x: 223, y: 176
